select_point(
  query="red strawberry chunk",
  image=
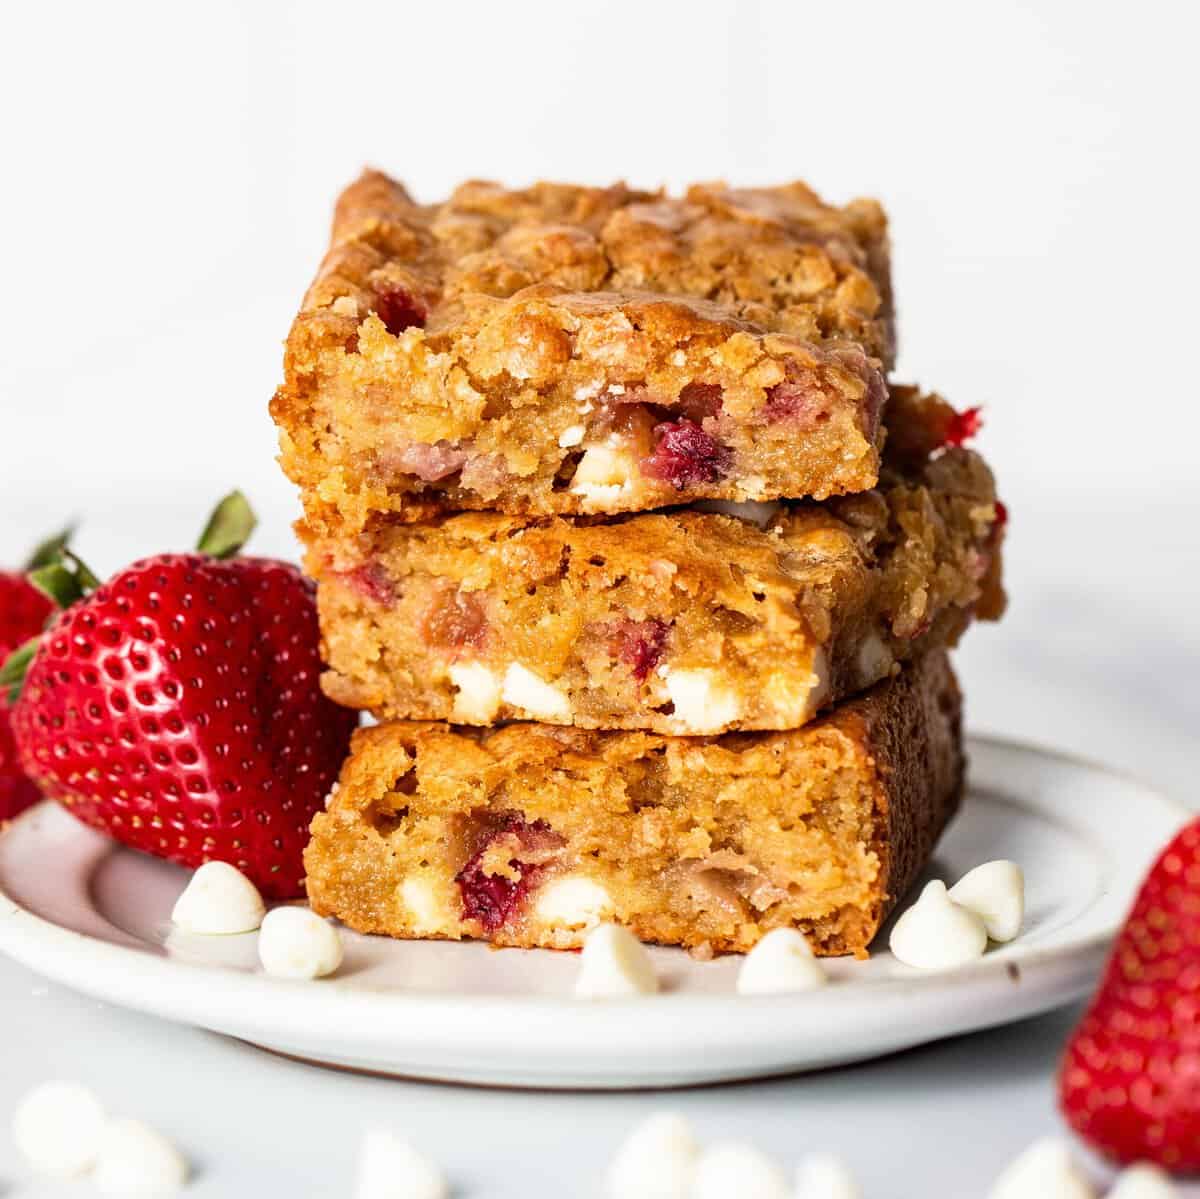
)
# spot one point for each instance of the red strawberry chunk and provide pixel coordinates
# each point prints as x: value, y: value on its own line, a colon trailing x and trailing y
x: 399, y: 309
x: 800, y: 402
x: 457, y: 621
x: 963, y: 426
x: 640, y: 644
x: 496, y: 899
x: 684, y: 455
x: 699, y: 402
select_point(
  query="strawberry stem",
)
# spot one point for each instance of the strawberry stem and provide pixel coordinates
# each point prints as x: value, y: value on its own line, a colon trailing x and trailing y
x: 59, y: 584
x: 51, y: 549
x: 228, y: 528
x: 12, y: 673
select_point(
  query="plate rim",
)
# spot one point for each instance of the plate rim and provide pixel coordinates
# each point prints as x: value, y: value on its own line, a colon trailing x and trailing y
x: 177, y: 990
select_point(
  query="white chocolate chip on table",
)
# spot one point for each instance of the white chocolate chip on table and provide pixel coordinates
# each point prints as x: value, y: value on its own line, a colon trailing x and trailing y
x: 614, y: 964
x: 296, y: 943
x: 936, y: 933
x: 219, y: 900
x: 391, y: 1168
x: 58, y: 1127
x: 1045, y: 1169
x: 137, y: 1161
x: 1144, y: 1181
x: 731, y: 1169
x: 782, y: 961
x: 656, y: 1161
x: 823, y: 1176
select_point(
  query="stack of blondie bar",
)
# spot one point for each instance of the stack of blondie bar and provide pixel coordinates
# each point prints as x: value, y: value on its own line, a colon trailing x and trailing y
x: 645, y: 568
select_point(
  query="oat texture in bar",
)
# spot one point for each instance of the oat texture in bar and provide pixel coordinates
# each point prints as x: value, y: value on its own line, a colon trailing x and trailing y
x: 580, y: 350
x: 680, y: 622
x: 529, y: 835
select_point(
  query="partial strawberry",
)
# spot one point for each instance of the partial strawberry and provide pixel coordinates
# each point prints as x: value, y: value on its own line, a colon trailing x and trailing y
x: 1130, y: 1081
x: 177, y: 706
x: 23, y: 613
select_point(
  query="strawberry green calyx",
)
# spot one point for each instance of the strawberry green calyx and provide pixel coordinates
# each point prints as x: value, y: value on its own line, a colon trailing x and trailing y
x: 228, y: 528
x: 51, y: 549
x: 12, y: 672
x: 65, y: 579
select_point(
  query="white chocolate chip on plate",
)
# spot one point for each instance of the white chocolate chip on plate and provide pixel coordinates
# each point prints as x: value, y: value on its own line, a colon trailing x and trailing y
x: 995, y: 892
x: 219, y: 900
x: 782, y: 961
x: 296, y: 943
x: 614, y: 964
x: 936, y: 933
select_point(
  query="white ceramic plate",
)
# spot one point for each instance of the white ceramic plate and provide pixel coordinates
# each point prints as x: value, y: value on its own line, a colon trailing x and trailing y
x: 96, y: 917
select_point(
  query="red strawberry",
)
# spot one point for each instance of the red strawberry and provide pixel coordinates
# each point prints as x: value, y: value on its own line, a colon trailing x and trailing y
x: 23, y: 611
x: 1130, y: 1081
x: 177, y: 706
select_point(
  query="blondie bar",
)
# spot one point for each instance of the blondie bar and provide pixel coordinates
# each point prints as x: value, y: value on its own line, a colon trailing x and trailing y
x: 682, y: 622
x: 583, y: 350
x: 528, y: 835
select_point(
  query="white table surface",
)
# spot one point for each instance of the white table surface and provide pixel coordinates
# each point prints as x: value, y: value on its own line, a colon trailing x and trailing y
x: 1097, y: 656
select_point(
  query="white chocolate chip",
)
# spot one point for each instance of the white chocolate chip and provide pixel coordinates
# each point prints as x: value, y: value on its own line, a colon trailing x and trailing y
x: 603, y: 466
x: 823, y: 1176
x: 477, y: 699
x: 1045, y: 1169
x: 219, y: 901
x: 572, y: 902
x: 656, y: 1161
x: 753, y: 512
x: 571, y: 435
x: 136, y: 1160
x: 782, y: 961
x: 873, y: 660
x: 730, y: 1169
x: 58, y: 1127
x: 703, y: 703
x: 297, y: 943
x: 1144, y: 1181
x: 523, y: 689
x: 936, y: 933
x: 426, y: 912
x: 391, y: 1168
x: 614, y: 965
x: 797, y: 698
x: 678, y: 358
x: 995, y: 892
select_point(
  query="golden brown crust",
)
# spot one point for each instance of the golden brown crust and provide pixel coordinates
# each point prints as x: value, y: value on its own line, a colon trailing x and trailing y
x: 681, y: 622
x: 701, y: 842
x: 466, y: 355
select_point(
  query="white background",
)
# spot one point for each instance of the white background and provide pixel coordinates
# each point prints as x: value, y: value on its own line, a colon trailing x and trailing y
x: 169, y: 173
